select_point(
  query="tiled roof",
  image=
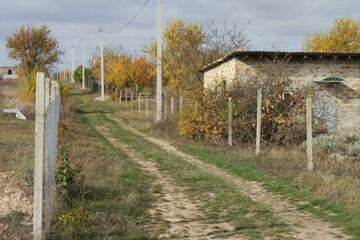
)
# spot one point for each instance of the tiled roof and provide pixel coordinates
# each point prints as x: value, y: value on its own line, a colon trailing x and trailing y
x: 340, y: 55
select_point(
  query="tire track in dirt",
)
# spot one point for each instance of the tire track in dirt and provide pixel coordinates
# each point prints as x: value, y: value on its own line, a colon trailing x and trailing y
x: 304, y: 225
x: 182, y: 215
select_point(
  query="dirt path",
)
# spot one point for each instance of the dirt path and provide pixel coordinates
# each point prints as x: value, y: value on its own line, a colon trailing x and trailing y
x: 304, y: 225
x: 182, y: 215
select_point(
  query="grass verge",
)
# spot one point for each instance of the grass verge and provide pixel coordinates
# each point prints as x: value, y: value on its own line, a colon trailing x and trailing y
x: 114, y: 196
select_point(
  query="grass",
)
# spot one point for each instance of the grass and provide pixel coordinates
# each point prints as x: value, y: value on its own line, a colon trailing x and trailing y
x: 225, y: 205
x: 16, y: 160
x: 16, y: 226
x: 334, y: 211
x: 17, y: 147
x: 332, y: 192
x: 116, y: 194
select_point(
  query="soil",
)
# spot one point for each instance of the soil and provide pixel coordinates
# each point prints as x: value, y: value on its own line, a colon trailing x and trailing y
x: 176, y: 211
x: 303, y: 224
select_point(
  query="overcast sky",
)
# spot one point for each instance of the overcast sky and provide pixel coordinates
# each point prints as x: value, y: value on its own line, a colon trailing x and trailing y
x: 269, y: 24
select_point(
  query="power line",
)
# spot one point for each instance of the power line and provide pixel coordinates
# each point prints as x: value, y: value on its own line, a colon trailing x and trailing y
x: 97, y: 32
x: 131, y: 20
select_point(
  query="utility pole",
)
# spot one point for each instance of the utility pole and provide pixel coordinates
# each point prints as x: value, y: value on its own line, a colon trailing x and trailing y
x: 64, y: 71
x: 159, y: 64
x: 83, y: 64
x: 102, y: 98
x: 72, y: 63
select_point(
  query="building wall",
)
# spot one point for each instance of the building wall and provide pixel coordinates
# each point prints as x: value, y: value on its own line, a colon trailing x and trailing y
x: 4, y: 73
x: 224, y: 72
x: 344, y: 97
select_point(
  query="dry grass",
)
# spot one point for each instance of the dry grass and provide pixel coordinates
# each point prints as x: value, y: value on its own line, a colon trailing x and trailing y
x: 336, y: 177
x: 16, y: 146
x: 114, y: 194
x: 336, y: 180
x: 16, y: 159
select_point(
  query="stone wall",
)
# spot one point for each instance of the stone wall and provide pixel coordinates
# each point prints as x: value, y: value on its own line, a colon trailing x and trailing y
x: 220, y: 74
x: 304, y: 72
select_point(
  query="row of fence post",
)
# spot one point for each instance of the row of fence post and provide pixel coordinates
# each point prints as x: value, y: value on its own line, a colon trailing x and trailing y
x: 145, y: 96
x: 309, y: 151
x: 48, y: 104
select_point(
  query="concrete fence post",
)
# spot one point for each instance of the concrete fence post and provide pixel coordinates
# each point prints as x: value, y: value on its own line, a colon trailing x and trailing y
x: 230, y: 121
x: 172, y: 105
x: 46, y: 126
x: 258, y: 121
x: 48, y: 151
x: 309, y: 150
x: 146, y: 106
x: 39, y: 157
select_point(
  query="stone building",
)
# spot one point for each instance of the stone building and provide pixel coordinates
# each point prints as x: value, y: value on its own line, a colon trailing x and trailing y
x: 8, y: 73
x: 335, y: 76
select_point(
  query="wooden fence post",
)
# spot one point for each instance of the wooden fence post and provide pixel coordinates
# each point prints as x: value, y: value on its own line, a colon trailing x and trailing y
x: 131, y: 100
x: 309, y: 150
x: 126, y: 98
x: 258, y: 121
x: 39, y: 157
x: 146, y: 106
x: 172, y: 105
x: 120, y: 100
x: 165, y: 104
x: 230, y: 120
x: 180, y: 102
x: 116, y: 94
x: 139, y: 102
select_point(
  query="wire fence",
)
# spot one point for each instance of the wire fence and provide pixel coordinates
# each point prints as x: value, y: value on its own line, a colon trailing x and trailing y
x: 48, y: 104
x: 319, y: 126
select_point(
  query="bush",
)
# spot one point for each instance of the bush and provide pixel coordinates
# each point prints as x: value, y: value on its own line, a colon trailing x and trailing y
x: 205, y: 115
x: 69, y: 179
x: 72, y: 222
x: 346, y: 145
x: 64, y: 90
x: 27, y: 90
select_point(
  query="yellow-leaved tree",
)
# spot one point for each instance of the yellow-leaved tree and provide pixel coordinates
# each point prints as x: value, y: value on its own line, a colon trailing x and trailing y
x: 343, y: 37
x: 35, y: 50
x: 188, y: 46
x: 182, y: 55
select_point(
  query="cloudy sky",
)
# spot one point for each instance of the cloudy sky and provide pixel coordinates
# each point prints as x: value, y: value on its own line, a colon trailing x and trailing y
x: 269, y: 24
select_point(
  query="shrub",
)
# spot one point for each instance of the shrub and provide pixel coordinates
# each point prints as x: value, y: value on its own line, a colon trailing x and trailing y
x: 64, y: 90
x: 69, y: 179
x: 71, y: 222
x: 205, y: 115
x: 324, y: 142
x: 27, y: 88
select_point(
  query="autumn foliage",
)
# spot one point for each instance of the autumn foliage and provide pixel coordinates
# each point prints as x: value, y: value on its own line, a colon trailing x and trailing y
x: 343, y: 37
x: 35, y: 50
x: 205, y: 116
x: 122, y: 70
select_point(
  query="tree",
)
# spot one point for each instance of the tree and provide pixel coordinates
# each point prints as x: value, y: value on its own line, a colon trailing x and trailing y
x: 78, y: 74
x: 188, y: 47
x: 124, y: 70
x: 142, y: 72
x: 343, y: 37
x: 34, y: 48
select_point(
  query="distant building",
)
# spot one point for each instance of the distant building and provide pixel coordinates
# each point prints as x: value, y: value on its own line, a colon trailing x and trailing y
x: 336, y: 77
x: 8, y: 73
